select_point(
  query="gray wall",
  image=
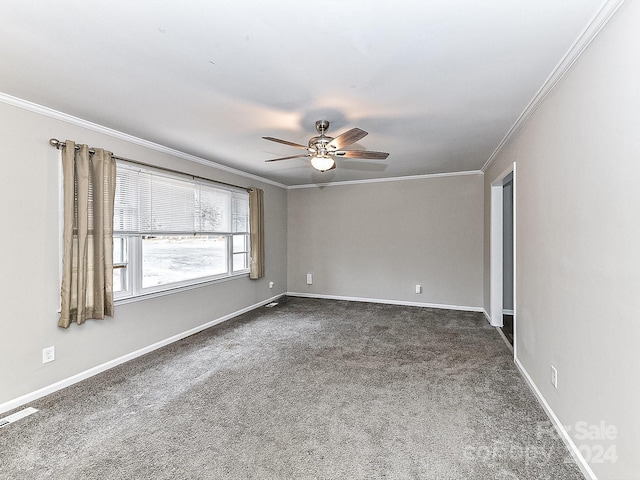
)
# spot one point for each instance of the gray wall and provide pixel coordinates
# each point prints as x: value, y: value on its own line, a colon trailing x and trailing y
x: 378, y: 240
x: 29, y: 283
x: 578, y: 242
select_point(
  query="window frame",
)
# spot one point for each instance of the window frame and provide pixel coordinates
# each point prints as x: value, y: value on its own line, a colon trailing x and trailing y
x: 131, y: 265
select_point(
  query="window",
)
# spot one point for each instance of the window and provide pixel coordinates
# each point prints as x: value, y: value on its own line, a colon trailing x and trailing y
x: 172, y: 231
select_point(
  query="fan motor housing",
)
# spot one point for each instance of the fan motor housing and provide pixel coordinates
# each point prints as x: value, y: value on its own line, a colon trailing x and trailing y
x: 320, y: 141
x: 319, y: 145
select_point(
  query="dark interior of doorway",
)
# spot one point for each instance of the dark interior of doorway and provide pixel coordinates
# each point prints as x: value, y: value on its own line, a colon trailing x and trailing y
x: 507, y: 327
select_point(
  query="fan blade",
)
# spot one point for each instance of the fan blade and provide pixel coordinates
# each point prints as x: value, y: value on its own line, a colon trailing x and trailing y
x: 361, y: 154
x: 288, y: 158
x: 347, y: 138
x: 291, y: 144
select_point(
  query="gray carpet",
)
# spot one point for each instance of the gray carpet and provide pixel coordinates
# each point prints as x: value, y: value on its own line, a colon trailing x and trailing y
x: 310, y: 389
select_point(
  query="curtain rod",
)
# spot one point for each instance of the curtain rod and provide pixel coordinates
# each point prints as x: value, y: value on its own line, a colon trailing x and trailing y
x: 55, y: 143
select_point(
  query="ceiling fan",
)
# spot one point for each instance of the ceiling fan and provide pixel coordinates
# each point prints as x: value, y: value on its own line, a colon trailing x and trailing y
x: 323, y: 149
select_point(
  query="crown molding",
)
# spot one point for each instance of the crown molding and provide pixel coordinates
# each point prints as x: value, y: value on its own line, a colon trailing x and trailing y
x: 599, y: 20
x: 49, y: 112
x: 387, y: 179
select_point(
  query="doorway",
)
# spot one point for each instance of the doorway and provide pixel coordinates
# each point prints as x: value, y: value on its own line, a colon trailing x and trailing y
x: 507, y: 258
x: 502, y: 265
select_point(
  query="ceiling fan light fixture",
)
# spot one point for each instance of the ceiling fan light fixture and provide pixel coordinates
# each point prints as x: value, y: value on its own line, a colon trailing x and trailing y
x: 322, y: 163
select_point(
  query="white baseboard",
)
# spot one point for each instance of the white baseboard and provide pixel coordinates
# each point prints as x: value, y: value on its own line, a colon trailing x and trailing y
x: 30, y: 397
x: 564, y: 435
x: 486, y: 314
x: 388, y: 302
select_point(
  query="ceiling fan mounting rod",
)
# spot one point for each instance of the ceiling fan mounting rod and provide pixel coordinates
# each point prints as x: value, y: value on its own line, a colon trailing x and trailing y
x: 319, y: 146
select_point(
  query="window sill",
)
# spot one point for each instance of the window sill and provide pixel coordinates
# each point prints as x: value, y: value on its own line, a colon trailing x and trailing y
x: 171, y: 291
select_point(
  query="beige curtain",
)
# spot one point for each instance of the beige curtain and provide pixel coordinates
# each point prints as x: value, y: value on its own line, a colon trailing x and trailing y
x: 256, y: 236
x: 87, y: 265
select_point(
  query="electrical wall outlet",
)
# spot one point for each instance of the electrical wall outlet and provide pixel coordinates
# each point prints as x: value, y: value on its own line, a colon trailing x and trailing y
x: 554, y: 376
x: 270, y: 284
x: 418, y: 288
x: 309, y: 279
x: 48, y: 354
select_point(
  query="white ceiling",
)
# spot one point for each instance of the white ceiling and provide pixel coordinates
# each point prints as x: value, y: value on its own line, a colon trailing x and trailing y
x: 437, y: 83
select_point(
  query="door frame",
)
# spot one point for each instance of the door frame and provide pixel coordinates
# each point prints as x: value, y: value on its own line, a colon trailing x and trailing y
x: 496, y: 249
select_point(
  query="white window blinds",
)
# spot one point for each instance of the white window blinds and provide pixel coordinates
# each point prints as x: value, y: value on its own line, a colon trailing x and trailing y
x: 151, y: 202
